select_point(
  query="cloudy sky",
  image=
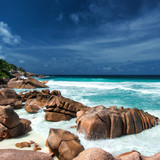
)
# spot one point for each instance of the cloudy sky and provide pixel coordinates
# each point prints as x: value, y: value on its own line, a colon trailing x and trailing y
x: 81, y: 36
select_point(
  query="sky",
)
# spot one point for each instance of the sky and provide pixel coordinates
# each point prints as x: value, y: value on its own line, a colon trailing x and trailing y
x: 81, y: 37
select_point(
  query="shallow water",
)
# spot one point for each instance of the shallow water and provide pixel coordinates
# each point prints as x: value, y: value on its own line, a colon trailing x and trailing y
x: 140, y: 93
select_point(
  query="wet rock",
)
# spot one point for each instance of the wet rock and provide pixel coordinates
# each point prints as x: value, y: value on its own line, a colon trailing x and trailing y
x: 14, y: 154
x: 10, y: 123
x: 63, y: 144
x: 94, y: 154
x: 28, y: 83
x: 22, y: 144
x: 58, y: 108
x: 134, y: 155
x: 10, y: 97
x: 61, y: 108
x: 36, y: 149
x: 32, y: 108
x: 56, y: 117
x: 101, y: 122
x: 31, y: 142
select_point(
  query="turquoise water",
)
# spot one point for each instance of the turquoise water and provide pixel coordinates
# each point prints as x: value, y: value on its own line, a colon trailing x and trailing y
x: 142, y: 93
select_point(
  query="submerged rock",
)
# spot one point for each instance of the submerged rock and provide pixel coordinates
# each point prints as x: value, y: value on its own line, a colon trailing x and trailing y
x: 14, y: 154
x: 63, y: 144
x: 28, y: 83
x: 10, y: 123
x: 101, y: 122
x: 10, y: 97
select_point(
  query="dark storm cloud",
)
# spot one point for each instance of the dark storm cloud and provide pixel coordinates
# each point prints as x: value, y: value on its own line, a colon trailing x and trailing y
x: 83, y: 37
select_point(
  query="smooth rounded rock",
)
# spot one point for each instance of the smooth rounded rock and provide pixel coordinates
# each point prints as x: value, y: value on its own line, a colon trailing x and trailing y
x: 94, y: 154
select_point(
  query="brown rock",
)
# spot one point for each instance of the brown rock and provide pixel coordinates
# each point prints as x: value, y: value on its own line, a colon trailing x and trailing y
x: 58, y: 108
x: 36, y: 145
x: 130, y: 123
x: 23, y: 128
x: 36, y: 148
x: 100, y: 122
x: 13, y: 154
x: 3, y: 132
x: 94, y: 154
x: 63, y: 144
x: 29, y: 83
x: 66, y: 108
x: 55, y: 117
x: 10, y: 123
x: 31, y: 142
x: 8, y: 117
x: 154, y: 157
x: 134, y: 155
x: 9, y: 97
x: 32, y: 108
x: 22, y: 144
x: 73, y: 126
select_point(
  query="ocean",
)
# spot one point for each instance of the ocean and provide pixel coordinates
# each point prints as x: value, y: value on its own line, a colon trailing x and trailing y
x: 142, y: 92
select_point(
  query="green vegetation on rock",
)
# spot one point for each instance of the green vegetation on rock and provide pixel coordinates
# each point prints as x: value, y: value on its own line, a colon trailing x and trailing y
x: 7, y: 69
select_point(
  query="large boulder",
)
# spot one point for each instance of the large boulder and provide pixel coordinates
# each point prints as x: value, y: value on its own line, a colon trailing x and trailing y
x: 14, y: 154
x: 101, y: 122
x: 94, y: 154
x: 10, y: 97
x: 63, y: 144
x: 10, y: 123
x: 28, y: 83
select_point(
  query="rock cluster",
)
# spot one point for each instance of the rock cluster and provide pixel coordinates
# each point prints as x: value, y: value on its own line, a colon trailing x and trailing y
x: 57, y: 107
x: 60, y: 108
x: 28, y: 83
x: 63, y: 144
x: 10, y: 123
x: 35, y: 100
x: 100, y: 122
x: 14, y: 154
x: 10, y: 97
